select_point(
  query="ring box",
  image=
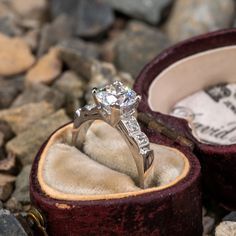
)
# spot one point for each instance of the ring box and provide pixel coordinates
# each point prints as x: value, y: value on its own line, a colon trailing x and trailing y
x: 94, y: 192
x: 199, y: 75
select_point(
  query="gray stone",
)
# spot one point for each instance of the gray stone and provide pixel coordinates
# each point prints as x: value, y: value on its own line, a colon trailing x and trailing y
x: 9, y: 225
x: 6, y: 186
x: 79, y: 56
x: 230, y: 217
x: 38, y: 93
x: 148, y: 10
x: 21, y: 192
x: 9, y: 89
x: 193, y: 17
x: 73, y: 87
x: 21, y: 118
x: 55, y: 32
x: 90, y: 17
x: 137, y: 45
x: 26, y: 144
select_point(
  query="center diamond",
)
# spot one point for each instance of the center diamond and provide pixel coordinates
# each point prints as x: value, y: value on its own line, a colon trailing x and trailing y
x: 116, y: 94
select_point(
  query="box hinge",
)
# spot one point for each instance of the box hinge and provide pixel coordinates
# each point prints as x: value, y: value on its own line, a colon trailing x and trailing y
x: 161, y: 128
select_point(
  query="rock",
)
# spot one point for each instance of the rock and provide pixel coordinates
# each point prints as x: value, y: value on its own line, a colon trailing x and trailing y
x: 9, y: 89
x: 27, y: 143
x: 55, y: 32
x: 8, y: 21
x: 15, y: 56
x: 226, y: 228
x: 32, y: 38
x: 137, y: 45
x: 1, y: 205
x: 21, y: 193
x: 6, y: 186
x: 30, y: 9
x: 21, y: 118
x: 193, y: 17
x: 8, y: 165
x: 73, y: 87
x: 230, y: 217
x: 38, y: 93
x: 13, y: 205
x: 6, y: 130
x: 46, y: 70
x: 79, y: 56
x: 90, y: 17
x: 150, y: 11
x: 9, y: 225
x: 208, y: 225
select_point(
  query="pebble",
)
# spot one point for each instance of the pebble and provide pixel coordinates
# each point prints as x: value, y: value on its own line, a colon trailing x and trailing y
x: 30, y: 10
x: 208, y: 225
x: 6, y: 186
x: 226, y: 228
x: 21, y: 193
x: 38, y: 93
x: 79, y: 56
x: 11, y: 62
x: 147, y: 10
x: 193, y: 17
x: 91, y: 17
x: 26, y: 144
x: 137, y: 45
x: 9, y: 89
x: 9, y: 225
x: 46, y: 70
x: 73, y: 87
x: 52, y: 33
x: 6, y: 130
x: 13, y: 205
x: 32, y: 38
x: 21, y: 118
x: 9, y: 165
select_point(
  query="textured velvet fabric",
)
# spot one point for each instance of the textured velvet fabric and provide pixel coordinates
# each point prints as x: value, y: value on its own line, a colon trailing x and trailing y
x: 218, y: 161
x: 175, y: 210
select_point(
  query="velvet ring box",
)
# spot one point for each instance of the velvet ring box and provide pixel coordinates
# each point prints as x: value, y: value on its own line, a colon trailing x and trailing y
x: 190, y: 88
x: 95, y: 191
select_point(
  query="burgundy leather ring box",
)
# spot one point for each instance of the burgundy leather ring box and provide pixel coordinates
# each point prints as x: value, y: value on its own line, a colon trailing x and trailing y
x: 179, y: 72
x: 94, y: 193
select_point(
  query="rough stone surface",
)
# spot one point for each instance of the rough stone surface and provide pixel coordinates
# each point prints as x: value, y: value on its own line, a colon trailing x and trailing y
x: 6, y: 186
x: 55, y: 32
x: 90, y: 17
x: 137, y: 45
x: 9, y: 165
x: 30, y: 9
x: 6, y: 130
x: 192, y: 17
x: 150, y: 11
x: 38, y: 93
x: 11, y: 62
x: 46, y: 70
x: 9, y: 89
x: 21, y: 118
x: 27, y: 143
x: 226, y: 228
x: 13, y: 205
x: 79, y: 56
x: 32, y: 38
x: 21, y: 192
x: 9, y: 225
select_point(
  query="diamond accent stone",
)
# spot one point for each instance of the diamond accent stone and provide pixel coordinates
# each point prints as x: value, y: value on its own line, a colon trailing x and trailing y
x: 141, y: 139
x: 131, y: 125
x: 116, y: 94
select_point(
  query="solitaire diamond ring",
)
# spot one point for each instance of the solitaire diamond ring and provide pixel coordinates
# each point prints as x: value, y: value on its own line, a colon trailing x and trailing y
x: 116, y: 105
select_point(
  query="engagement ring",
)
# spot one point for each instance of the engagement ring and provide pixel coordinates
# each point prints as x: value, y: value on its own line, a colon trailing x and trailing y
x: 116, y: 105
